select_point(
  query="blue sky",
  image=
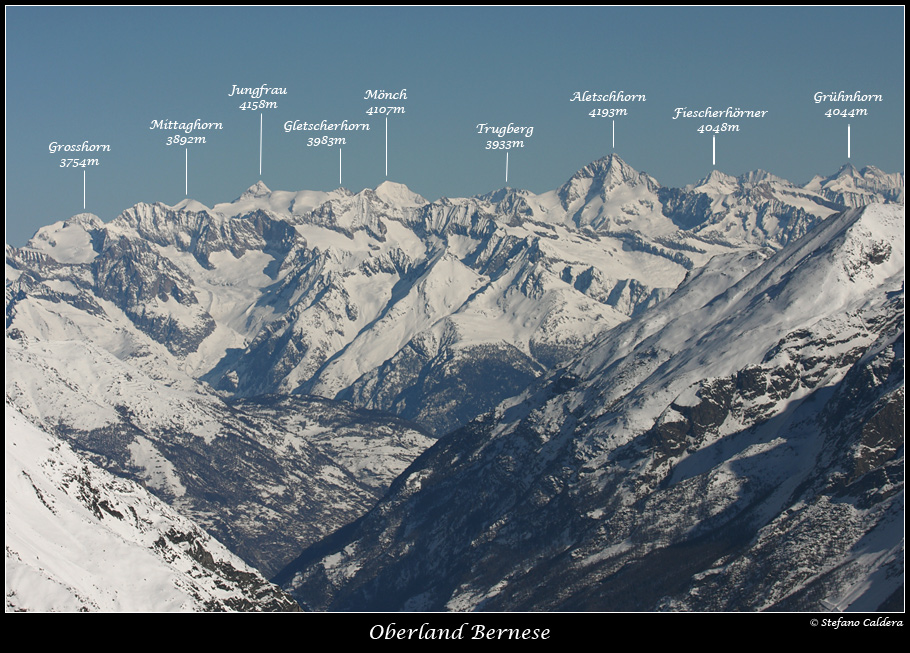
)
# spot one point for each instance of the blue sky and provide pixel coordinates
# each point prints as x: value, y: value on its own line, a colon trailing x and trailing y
x: 103, y: 74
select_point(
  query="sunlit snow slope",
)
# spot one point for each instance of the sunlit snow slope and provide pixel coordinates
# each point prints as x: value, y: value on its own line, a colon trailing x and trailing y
x: 79, y: 539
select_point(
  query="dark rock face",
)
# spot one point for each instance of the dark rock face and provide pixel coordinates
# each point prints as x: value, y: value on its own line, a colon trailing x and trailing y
x: 257, y: 596
x: 202, y: 235
x: 686, y: 210
x: 443, y: 390
x: 133, y: 276
x: 672, y: 438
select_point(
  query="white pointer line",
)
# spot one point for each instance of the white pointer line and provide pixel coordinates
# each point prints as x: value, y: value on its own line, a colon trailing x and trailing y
x: 260, y: 144
x: 714, y: 150
x: 507, y: 167
x: 848, y: 140
x: 186, y: 178
x: 83, y: 189
x: 339, y: 166
x: 386, y: 146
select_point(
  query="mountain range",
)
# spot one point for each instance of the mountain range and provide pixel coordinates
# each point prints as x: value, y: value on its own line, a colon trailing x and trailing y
x: 739, y: 447
x: 273, y: 366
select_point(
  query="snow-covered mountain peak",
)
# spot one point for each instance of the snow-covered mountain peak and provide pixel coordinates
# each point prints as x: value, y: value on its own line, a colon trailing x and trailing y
x: 603, y: 176
x: 756, y: 177
x: 830, y: 270
x: 500, y: 194
x: 87, y: 220
x: 848, y: 170
x: 852, y: 187
x: 716, y: 183
x: 68, y: 241
x: 609, y: 167
x: 872, y: 171
x: 611, y: 195
x: 158, y: 221
x: 259, y: 189
x: 190, y: 205
x: 505, y: 199
x: 398, y: 194
x: 719, y: 184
